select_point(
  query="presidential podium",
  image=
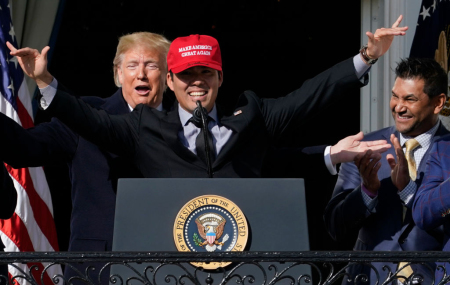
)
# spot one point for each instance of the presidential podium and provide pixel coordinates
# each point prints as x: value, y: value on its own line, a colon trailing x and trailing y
x: 154, y: 215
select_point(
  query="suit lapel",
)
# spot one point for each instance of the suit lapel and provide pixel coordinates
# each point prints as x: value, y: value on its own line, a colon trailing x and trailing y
x: 237, y: 122
x: 441, y: 131
x: 116, y: 104
x: 170, y: 125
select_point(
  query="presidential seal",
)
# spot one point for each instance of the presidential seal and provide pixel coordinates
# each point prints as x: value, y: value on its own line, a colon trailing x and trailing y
x: 210, y: 223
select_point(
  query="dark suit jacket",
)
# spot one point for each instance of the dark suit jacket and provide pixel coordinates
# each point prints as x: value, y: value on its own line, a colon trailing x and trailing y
x: 8, y: 203
x: 151, y: 137
x: 432, y: 204
x: 383, y: 230
x: 8, y: 195
x: 93, y: 171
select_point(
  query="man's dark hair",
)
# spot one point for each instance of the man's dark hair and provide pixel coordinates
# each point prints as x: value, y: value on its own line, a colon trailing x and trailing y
x: 434, y: 76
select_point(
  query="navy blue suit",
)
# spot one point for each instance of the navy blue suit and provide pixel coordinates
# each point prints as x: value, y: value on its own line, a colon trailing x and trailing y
x: 432, y: 205
x: 93, y: 172
x: 385, y: 229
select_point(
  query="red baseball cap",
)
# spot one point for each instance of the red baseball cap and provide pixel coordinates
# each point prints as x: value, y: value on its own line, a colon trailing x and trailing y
x: 194, y: 50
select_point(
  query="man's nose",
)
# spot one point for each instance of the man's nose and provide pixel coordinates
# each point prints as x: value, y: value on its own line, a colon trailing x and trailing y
x: 141, y: 72
x: 198, y: 80
x: 400, y: 107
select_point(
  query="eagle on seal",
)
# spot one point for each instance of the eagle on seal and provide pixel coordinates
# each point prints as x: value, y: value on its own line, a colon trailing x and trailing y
x: 210, y: 227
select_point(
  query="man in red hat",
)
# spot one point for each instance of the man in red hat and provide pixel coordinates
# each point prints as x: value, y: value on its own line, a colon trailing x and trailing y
x: 178, y: 144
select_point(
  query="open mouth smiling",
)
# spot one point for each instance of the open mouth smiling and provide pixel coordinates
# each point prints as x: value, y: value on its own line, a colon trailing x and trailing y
x: 403, y: 117
x: 197, y: 93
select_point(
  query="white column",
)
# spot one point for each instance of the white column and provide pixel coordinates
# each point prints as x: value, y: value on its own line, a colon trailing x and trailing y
x: 33, y: 23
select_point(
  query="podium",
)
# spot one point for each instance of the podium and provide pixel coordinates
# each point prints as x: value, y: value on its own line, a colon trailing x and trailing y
x: 146, y: 211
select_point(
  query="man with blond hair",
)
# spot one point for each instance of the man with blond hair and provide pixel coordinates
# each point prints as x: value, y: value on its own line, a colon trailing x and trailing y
x: 139, y: 71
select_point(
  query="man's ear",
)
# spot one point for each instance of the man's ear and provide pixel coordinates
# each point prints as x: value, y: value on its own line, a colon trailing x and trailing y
x: 439, y: 102
x: 220, y: 74
x: 169, y: 80
x: 120, y: 75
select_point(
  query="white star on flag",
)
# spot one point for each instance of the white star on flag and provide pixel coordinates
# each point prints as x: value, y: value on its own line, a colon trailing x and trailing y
x: 12, y: 33
x: 14, y: 59
x: 11, y: 86
x: 425, y: 12
x: 434, y: 6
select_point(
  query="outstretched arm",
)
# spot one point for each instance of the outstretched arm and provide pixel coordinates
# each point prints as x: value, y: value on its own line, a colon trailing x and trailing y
x: 46, y: 144
x: 97, y: 127
x: 309, y: 161
x: 332, y: 84
x: 348, y: 148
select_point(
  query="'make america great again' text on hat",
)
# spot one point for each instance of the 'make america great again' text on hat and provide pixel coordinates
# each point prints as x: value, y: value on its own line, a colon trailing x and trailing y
x: 194, y: 50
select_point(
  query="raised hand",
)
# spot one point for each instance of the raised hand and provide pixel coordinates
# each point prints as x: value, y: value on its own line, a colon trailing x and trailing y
x: 399, y: 170
x: 368, y: 164
x: 347, y: 148
x: 380, y: 42
x: 33, y: 63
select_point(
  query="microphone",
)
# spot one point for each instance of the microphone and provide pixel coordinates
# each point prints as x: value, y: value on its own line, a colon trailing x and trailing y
x: 200, y: 117
x: 198, y: 114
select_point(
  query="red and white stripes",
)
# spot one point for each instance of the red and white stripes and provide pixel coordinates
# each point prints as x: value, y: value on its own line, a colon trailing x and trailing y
x: 32, y: 227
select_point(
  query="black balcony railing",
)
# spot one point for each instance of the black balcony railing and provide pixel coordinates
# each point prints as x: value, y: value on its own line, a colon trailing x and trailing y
x: 262, y: 268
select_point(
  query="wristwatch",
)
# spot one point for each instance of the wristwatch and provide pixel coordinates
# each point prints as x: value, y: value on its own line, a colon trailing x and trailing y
x: 363, y: 52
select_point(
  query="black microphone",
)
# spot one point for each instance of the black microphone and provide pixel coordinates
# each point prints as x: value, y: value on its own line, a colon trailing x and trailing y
x: 200, y: 117
x: 198, y: 114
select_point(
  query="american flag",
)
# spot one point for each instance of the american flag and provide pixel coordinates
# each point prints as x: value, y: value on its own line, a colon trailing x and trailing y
x: 432, y: 39
x: 32, y: 227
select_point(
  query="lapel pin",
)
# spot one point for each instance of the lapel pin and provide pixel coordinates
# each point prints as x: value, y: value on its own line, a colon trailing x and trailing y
x: 238, y: 112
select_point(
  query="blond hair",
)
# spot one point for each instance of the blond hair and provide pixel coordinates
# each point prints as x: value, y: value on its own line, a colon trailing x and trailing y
x: 148, y: 40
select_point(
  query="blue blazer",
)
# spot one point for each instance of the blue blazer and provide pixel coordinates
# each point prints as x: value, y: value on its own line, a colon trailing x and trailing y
x: 432, y: 204
x: 93, y: 172
x: 385, y: 229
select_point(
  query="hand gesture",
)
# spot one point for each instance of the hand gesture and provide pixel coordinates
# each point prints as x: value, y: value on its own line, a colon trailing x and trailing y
x: 368, y: 164
x: 347, y: 148
x: 399, y: 171
x: 33, y: 63
x: 379, y: 43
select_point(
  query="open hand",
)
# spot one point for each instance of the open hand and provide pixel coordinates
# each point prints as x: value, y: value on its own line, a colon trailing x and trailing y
x: 399, y: 170
x: 33, y: 63
x: 347, y: 148
x: 380, y: 42
x: 368, y: 164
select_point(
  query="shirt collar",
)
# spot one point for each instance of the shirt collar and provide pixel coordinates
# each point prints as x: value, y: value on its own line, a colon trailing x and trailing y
x: 424, y: 139
x: 185, y: 115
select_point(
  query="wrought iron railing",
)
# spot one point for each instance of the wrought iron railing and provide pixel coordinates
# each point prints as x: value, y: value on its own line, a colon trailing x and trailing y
x: 262, y: 268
